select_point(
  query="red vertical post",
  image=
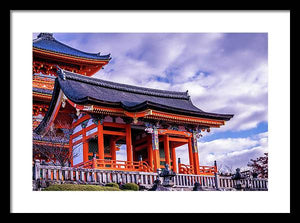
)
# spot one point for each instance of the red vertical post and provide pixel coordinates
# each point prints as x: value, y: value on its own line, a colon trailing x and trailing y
x: 195, y: 153
x: 150, y: 152
x: 85, y: 145
x: 71, y: 150
x: 113, y: 148
x: 128, y: 142
x: 196, y: 163
x: 191, y: 158
x: 167, y: 149
x: 100, y: 141
x: 174, y: 162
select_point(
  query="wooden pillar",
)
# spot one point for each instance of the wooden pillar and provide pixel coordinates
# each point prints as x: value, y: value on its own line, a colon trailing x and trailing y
x: 155, y: 148
x: 191, y: 158
x: 150, y: 152
x: 174, y: 159
x: 113, y: 148
x: 128, y: 142
x: 100, y: 140
x: 71, y: 149
x: 195, y: 153
x: 167, y: 149
x: 85, y: 145
x: 196, y: 163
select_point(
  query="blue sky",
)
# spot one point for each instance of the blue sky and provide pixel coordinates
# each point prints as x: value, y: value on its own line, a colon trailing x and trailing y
x: 223, y: 72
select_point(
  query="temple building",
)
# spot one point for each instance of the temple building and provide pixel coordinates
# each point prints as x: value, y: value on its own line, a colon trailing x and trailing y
x: 47, y: 54
x: 99, y: 116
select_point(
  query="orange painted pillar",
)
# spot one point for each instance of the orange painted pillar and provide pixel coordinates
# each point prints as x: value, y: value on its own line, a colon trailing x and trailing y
x: 128, y: 142
x: 155, y: 148
x: 195, y: 153
x: 85, y: 145
x: 167, y: 149
x: 71, y: 150
x: 113, y: 148
x: 174, y: 162
x: 191, y: 158
x: 100, y: 141
x: 150, y: 152
x: 196, y: 163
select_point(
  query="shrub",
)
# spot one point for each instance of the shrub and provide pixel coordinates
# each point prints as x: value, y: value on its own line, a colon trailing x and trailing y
x: 130, y: 186
x: 75, y: 187
x: 115, y: 185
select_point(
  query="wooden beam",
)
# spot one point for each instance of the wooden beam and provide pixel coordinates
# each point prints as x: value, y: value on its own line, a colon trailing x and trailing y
x: 174, y: 132
x: 107, y: 132
x: 79, y: 121
x: 140, y: 147
x: 140, y: 140
x: 113, y: 124
x: 177, y: 144
x: 117, y: 138
x: 173, y: 139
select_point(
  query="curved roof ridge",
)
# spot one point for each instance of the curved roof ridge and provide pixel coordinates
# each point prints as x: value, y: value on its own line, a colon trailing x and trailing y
x: 49, y: 37
x: 123, y: 87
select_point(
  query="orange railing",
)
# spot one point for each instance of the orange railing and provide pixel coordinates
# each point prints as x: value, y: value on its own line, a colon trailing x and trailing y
x: 208, y: 170
x: 203, y: 170
x: 115, y: 165
x: 185, y: 169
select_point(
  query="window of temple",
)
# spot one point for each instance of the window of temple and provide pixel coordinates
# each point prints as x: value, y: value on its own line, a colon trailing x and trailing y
x: 77, y: 153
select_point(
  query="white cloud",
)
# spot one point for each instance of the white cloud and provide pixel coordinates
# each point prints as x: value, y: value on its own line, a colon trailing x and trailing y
x: 233, y: 152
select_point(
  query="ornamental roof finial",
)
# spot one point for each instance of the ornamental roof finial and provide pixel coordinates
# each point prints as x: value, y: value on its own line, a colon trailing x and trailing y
x: 187, y: 93
x: 48, y: 36
x: 61, y: 73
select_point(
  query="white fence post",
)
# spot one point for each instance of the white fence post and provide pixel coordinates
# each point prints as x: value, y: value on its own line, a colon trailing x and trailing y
x: 36, y: 169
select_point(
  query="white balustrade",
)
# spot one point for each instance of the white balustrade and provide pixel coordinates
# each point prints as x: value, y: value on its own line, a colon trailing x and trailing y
x: 98, y: 176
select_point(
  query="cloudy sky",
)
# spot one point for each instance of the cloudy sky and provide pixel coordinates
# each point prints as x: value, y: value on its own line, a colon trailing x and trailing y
x: 223, y: 72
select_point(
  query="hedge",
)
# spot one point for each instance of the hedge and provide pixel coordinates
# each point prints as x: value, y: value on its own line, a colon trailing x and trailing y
x: 115, y: 185
x: 76, y: 187
x: 130, y: 186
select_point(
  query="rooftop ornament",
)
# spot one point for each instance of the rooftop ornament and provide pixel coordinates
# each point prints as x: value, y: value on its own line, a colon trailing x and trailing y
x: 48, y: 36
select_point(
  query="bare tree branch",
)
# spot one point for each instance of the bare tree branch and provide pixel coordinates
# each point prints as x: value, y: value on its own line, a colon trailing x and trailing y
x: 56, y: 147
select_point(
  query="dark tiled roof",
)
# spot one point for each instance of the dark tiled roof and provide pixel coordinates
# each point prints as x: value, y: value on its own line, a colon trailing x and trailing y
x: 46, y: 41
x: 42, y: 90
x: 86, y: 90
x: 61, y: 140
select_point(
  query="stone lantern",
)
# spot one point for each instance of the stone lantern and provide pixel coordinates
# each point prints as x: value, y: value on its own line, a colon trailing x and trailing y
x: 238, y: 177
